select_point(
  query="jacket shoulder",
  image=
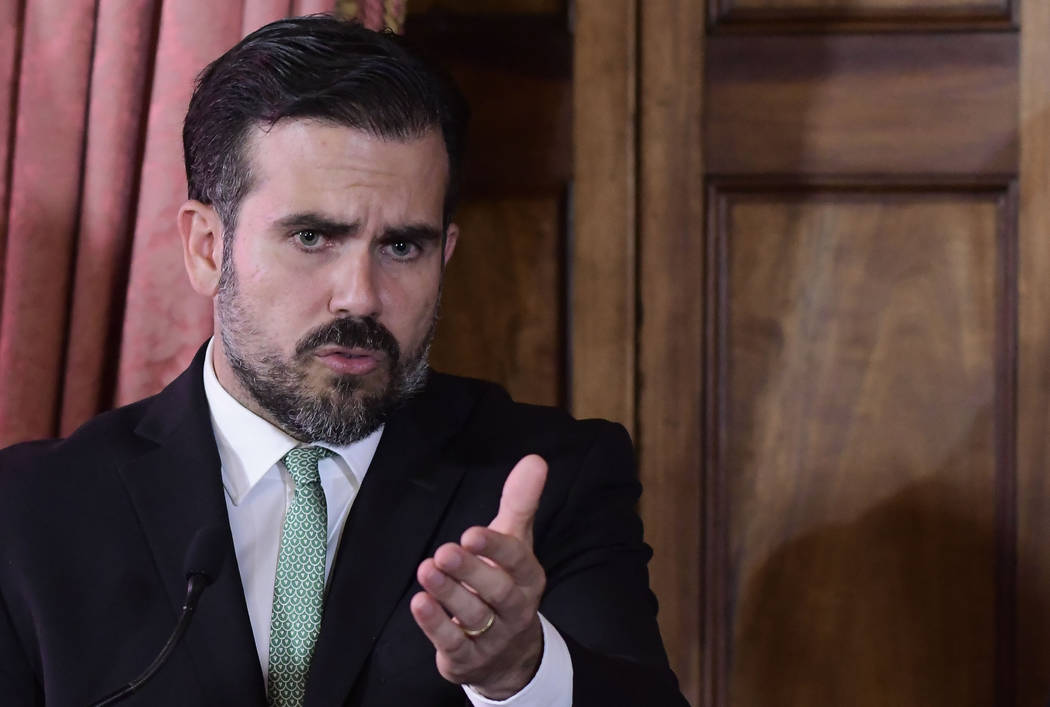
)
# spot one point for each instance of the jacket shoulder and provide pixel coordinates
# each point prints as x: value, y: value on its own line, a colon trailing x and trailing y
x: 107, y: 437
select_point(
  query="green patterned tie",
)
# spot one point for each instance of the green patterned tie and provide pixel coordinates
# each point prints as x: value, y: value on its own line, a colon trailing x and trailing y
x: 298, y: 588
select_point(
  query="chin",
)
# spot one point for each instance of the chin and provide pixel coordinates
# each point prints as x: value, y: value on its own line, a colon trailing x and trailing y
x: 376, y: 381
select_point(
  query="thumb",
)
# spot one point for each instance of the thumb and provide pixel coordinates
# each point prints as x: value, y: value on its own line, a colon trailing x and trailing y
x: 521, y: 498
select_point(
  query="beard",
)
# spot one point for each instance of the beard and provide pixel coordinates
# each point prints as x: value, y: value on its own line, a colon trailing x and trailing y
x: 345, y: 410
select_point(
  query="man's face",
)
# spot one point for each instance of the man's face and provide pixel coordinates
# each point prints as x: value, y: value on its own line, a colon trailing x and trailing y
x: 330, y: 286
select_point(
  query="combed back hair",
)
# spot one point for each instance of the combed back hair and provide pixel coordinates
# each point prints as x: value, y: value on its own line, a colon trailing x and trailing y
x: 318, y: 68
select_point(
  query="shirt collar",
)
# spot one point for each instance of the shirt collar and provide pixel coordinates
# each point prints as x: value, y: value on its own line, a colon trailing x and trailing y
x: 250, y: 446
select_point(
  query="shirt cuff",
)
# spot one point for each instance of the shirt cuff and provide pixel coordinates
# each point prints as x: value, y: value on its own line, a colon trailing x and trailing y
x: 551, y: 686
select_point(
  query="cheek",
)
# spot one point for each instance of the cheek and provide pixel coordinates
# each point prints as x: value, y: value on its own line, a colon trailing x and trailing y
x: 250, y: 270
x: 283, y: 308
x: 256, y: 265
x: 410, y: 302
x: 277, y: 286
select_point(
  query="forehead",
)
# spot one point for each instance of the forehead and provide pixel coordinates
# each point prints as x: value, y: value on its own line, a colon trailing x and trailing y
x: 334, y: 166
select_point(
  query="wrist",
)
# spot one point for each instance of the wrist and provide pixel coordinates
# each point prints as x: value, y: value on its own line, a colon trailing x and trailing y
x: 519, y: 674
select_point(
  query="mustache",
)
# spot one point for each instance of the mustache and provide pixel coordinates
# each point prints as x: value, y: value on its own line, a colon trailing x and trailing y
x: 363, y: 332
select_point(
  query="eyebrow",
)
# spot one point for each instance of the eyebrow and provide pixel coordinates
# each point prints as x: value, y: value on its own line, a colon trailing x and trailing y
x: 309, y: 221
x: 316, y: 222
x: 412, y: 232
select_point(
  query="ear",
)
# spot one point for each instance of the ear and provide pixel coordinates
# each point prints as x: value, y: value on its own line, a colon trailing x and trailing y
x: 451, y: 236
x: 201, y: 232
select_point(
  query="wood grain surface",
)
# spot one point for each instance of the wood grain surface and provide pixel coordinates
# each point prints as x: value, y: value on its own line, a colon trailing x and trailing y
x: 862, y: 104
x: 521, y: 131
x: 860, y: 355
x: 1033, y: 411
x: 670, y: 337
x: 502, y: 309
x: 516, y: 72
x: 505, y: 295
x: 603, y: 277
x: 916, y: 5
x: 862, y: 15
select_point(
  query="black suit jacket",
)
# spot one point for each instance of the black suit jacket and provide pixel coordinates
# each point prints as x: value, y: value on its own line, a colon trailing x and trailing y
x: 94, y: 531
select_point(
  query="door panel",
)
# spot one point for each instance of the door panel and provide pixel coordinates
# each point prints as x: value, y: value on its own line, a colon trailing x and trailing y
x: 862, y: 104
x: 843, y: 387
x: 989, y: 12
x: 860, y: 346
x: 834, y: 259
x: 860, y: 6
x: 503, y: 293
x: 863, y: 317
x: 505, y: 297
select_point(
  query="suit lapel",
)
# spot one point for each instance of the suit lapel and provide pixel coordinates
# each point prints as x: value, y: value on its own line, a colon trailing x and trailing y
x: 176, y: 490
x: 402, y: 499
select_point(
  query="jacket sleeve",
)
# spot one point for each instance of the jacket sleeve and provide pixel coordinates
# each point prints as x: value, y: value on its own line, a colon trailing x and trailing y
x: 598, y: 592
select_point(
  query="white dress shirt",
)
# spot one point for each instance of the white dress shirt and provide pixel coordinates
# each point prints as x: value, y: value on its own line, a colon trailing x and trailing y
x: 258, y: 492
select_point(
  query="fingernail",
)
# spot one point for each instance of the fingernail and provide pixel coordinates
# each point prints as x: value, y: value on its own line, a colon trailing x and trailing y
x: 437, y: 578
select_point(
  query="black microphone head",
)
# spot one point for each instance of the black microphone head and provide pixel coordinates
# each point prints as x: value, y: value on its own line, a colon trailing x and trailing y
x: 207, y: 553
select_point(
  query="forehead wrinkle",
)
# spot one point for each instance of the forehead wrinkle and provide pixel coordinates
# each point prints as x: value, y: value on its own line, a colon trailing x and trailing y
x: 332, y: 161
x: 337, y: 170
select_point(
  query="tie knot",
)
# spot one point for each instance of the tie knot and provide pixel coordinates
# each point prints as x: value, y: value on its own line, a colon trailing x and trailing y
x: 301, y: 463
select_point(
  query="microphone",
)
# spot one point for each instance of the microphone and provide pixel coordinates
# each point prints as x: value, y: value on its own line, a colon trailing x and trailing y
x: 204, y: 561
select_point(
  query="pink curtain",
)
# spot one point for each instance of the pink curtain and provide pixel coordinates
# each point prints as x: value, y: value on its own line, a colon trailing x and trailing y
x: 96, y: 309
x: 374, y: 13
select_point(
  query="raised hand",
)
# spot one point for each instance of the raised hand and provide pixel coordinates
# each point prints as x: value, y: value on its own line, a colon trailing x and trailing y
x: 480, y: 599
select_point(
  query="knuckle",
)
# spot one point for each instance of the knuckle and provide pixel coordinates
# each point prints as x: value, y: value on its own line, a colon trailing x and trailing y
x: 445, y: 553
x: 449, y: 668
x: 476, y: 615
x: 455, y: 647
x: 503, y: 591
x: 512, y: 556
x: 475, y: 533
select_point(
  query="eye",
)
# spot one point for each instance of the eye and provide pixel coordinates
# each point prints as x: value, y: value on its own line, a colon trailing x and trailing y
x: 403, y: 250
x: 308, y: 239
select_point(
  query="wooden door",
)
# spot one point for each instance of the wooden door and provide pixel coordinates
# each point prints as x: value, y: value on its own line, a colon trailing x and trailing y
x: 862, y: 231
x: 842, y: 392
x: 504, y: 309
x: 807, y: 267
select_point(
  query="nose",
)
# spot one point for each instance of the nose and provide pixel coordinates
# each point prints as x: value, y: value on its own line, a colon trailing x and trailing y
x: 354, y: 289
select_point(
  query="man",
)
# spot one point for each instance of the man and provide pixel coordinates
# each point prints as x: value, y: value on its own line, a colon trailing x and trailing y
x: 392, y: 536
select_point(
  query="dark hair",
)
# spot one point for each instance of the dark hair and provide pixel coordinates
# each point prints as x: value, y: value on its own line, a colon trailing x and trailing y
x: 313, y: 67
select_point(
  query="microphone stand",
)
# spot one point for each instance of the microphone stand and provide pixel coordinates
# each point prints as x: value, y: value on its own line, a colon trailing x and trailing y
x: 194, y: 586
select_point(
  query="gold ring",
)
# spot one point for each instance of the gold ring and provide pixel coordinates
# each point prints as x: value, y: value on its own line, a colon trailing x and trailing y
x: 475, y: 632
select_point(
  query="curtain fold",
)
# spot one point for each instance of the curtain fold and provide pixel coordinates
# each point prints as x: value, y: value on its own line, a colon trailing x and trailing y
x: 43, y: 205
x: 10, y: 43
x: 164, y: 319
x: 117, y: 104
x: 95, y: 306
